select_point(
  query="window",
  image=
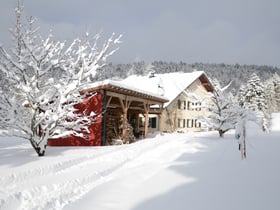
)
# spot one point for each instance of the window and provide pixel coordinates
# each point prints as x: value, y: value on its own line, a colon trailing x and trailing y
x: 193, y: 104
x: 185, y: 104
x: 198, y: 106
x: 189, y: 106
x: 197, y: 124
x: 179, y: 104
x: 181, y: 123
x: 153, y: 122
x: 189, y: 123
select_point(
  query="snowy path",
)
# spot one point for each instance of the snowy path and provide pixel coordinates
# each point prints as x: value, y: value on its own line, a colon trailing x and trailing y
x: 73, y: 177
x: 134, y: 182
x: 195, y: 171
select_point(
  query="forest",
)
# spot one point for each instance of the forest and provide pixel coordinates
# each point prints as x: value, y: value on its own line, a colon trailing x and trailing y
x: 236, y: 74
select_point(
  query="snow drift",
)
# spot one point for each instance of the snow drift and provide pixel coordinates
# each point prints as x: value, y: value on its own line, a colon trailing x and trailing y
x: 174, y: 171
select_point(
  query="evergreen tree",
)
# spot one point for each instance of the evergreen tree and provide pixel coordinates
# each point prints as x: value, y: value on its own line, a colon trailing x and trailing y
x: 276, y: 83
x: 253, y: 97
x: 273, y: 93
x: 241, y: 95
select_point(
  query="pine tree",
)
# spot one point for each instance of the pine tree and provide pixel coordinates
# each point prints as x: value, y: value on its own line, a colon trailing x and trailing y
x: 276, y: 83
x: 253, y: 97
x: 273, y: 93
x: 241, y: 95
x: 270, y: 95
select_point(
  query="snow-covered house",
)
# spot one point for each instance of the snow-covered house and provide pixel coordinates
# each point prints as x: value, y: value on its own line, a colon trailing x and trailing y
x: 138, y: 105
x: 186, y: 93
x: 116, y: 108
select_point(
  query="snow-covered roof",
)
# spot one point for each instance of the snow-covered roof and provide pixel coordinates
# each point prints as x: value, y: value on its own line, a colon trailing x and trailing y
x: 170, y: 85
x: 105, y: 84
x: 165, y: 87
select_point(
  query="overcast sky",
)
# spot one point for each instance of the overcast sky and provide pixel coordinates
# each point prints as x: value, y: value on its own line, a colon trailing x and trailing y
x: 212, y: 31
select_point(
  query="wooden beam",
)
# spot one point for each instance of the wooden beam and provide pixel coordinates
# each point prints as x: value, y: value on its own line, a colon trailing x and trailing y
x: 131, y: 98
x: 127, y: 103
x: 146, y: 106
x: 122, y: 104
x: 108, y: 102
x: 117, y: 95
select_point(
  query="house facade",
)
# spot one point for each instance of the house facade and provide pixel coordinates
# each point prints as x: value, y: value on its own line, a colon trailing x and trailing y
x: 183, y: 112
x: 187, y: 93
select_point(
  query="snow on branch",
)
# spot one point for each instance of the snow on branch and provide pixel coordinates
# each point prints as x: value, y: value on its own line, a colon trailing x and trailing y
x: 223, y: 110
x: 45, y: 78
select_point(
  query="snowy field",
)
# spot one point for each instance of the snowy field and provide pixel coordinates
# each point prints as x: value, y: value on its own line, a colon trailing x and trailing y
x: 195, y: 171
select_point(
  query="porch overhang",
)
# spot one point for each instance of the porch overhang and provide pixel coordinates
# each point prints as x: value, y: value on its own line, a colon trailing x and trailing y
x: 123, y: 99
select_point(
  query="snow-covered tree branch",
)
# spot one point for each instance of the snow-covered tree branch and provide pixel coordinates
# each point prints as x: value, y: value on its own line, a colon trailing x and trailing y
x: 45, y: 78
x: 223, y: 110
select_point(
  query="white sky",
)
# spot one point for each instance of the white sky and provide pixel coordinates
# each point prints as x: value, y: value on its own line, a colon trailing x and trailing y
x: 228, y: 31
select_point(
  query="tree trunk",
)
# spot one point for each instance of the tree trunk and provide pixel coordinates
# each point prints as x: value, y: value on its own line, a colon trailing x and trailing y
x: 40, y: 152
x: 38, y: 149
x: 39, y: 137
x: 221, y: 133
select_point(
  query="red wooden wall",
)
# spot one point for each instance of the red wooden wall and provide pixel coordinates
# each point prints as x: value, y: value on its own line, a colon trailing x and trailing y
x: 92, y: 103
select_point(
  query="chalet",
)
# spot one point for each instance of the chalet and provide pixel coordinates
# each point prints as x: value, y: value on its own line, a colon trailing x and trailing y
x: 185, y: 91
x: 117, y: 108
x: 137, y: 105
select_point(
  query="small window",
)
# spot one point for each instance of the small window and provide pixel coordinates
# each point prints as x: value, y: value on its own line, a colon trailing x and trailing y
x: 189, y: 123
x: 153, y: 122
x: 193, y: 106
x: 198, y: 106
x: 197, y: 124
x: 189, y: 106
x: 179, y: 104
x: 185, y: 104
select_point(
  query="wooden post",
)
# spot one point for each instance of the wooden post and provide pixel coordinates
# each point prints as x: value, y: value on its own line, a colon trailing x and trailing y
x: 137, y: 123
x: 146, y: 125
x: 243, y: 150
x: 160, y: 123
x: 240, y: 134
x: 160, y: 119
x: 125, y: 105
x: 146, y: 108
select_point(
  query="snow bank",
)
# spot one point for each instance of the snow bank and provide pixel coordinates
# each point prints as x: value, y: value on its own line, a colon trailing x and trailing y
x: 195, y: 171
x: 275, y: 122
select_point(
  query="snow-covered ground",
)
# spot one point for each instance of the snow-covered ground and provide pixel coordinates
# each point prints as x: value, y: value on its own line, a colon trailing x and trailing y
x: 175, y: 171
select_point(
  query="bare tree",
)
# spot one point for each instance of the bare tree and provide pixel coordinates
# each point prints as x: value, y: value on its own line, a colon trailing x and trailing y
x: 39, y: 105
